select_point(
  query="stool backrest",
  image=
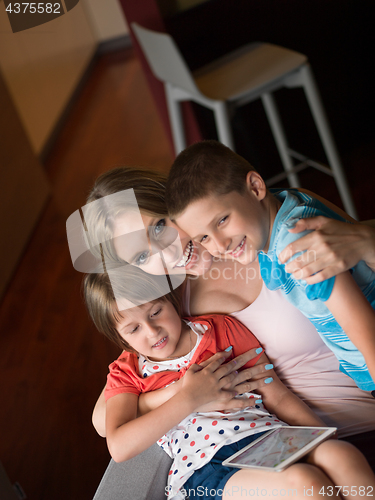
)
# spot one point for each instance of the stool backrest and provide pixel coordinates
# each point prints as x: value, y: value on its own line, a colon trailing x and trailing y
x: 165, y: 59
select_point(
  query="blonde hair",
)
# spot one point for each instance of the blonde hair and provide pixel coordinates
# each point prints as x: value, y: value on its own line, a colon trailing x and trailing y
x: 149, y: 191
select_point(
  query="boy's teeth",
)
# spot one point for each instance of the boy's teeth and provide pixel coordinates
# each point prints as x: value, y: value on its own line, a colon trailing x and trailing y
x: 187, y: 255
x: 238, y: 247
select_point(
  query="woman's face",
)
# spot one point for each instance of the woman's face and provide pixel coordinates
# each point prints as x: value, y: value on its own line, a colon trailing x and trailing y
x: 142, y: 248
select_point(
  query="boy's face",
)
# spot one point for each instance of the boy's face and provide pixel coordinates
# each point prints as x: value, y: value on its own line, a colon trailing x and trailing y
x: 153, y: 329
x: 234, y: 226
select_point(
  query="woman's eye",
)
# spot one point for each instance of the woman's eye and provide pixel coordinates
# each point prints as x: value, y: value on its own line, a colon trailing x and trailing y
x: 159, y: 227
x: 221, y: 221
x: 203, y: 239
x: 156, y: 313
x: 134, y: 329
x: 141, y: 259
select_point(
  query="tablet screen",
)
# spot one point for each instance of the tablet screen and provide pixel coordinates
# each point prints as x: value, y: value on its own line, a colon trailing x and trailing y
x: 277, y: 447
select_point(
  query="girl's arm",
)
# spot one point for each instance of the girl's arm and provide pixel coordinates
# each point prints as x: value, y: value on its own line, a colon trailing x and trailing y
x: 278, y: 399
x: 355, y: 316
x: 127, y: 435
x: 243, y: 382
x: 332, y: 247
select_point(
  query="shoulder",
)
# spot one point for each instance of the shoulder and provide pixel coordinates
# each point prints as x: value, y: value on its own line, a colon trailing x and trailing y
x: 340, y: 214
x: 219, y: 324
x: 123, y: 376
x: 216, y: 300
x: 296, y: 205
x: 125, y: 367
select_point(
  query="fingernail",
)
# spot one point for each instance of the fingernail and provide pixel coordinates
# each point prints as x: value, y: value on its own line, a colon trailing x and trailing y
x: 229, y: 348
x: 268, y: 367
x: 259, y: 350
x: 268, y: 380
x: 258, y: 401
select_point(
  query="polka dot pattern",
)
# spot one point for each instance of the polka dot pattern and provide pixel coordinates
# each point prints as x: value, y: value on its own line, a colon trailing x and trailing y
x: 197, y: 438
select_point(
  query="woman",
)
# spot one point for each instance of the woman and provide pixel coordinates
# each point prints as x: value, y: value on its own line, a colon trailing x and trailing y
x: 302, y: 361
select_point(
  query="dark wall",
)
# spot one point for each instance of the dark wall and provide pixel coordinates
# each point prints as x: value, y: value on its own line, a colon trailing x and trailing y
x: 337, y: 36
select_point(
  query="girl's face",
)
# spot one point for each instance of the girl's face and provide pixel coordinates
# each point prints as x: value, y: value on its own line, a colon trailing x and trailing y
x: 154, y: 330
x: 179, y: 254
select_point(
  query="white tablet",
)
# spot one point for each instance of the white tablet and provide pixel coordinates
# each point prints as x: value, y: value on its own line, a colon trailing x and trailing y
x: 279, y: 448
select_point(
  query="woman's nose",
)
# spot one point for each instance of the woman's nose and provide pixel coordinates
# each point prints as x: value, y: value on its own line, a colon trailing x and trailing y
x: 172, y: 250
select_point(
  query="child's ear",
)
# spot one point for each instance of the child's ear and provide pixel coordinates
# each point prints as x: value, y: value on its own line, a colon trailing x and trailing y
x: 256, y: 185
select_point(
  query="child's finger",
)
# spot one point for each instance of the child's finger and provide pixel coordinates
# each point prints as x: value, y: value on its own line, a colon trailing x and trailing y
x: 194, y: 368
x: 216, y: 363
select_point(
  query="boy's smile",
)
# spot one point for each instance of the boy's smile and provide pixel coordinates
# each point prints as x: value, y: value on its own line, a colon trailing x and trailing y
x: 234, y: 225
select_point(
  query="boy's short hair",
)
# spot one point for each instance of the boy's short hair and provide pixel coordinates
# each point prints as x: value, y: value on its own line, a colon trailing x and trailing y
x: 132, y: 285
x: 202, y: 169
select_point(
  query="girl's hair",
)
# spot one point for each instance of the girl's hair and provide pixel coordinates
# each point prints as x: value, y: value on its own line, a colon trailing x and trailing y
x: 127, y: 284
x: 99, y: 217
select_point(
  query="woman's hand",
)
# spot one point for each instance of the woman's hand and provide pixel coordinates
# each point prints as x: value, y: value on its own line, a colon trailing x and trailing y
x: 332, y: 248
x: 247, y: 380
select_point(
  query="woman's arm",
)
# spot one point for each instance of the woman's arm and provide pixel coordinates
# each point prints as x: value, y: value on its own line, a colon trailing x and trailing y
x: 278, y: 399
x: 332, y: 247
x: 98, y: 415
x: 355, y: 315
x: 127, y: 435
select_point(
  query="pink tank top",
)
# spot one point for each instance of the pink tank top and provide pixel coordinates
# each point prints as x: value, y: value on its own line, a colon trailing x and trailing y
x: 304, y: 363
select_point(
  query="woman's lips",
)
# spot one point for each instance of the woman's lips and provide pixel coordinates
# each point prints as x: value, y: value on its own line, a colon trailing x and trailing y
x: 187, y: 257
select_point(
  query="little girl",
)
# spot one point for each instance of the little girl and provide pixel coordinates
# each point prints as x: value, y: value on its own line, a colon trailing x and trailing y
x: 162, y: 349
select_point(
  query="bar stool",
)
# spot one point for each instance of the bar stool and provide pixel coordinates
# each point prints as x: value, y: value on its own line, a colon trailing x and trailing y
x: 248, y: 73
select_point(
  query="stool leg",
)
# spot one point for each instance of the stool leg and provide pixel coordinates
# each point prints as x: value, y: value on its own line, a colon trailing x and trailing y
x: 317, y: 110
x: 223, y: 126
x: 279, y: 136
x: 176, y: 120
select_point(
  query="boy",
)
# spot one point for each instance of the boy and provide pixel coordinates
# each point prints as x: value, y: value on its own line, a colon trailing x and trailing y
x: 220, y: 201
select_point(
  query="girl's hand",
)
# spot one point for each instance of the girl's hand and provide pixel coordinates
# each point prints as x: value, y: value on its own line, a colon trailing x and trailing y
x: 204, y: 385
x: 332, y: 248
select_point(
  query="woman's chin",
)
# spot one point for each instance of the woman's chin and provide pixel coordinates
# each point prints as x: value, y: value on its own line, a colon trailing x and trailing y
x: 199, y: 264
